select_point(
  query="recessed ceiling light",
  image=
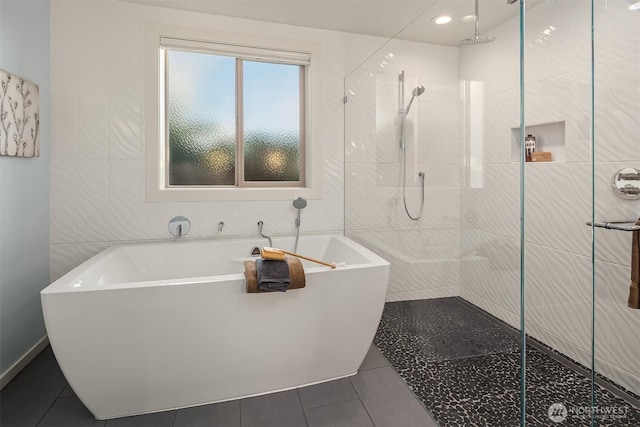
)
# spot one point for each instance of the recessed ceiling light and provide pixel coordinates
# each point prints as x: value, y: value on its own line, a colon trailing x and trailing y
x: 635, y: 6
x: 443, y: 19
x: 468, y: 18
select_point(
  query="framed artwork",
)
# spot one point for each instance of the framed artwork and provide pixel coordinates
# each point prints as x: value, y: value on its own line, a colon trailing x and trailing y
x: 19, y: 116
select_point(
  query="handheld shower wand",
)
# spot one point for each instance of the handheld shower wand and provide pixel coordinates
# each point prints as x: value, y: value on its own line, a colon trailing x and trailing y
x: 419, y: 90
x: 299, y: 203
x: 416, y: 92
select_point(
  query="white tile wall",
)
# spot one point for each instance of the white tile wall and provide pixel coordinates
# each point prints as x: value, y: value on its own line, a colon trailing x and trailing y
x: 558, y: 195
x: 424, y: 254
x: 97, y: 137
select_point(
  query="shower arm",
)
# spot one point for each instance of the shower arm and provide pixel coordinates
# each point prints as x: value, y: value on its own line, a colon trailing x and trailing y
x: 477, y: 34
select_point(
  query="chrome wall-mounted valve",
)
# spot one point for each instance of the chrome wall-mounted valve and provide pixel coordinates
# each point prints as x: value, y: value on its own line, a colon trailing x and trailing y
x: 179, y: 227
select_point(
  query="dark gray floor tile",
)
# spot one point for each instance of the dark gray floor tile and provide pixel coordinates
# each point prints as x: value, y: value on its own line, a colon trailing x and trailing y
x: 25, y: 400
x: 67, y: 392
x: 225, y: 414
x: 327, y: 393
x: 46, y: 354
x: 69, y: 412
x: 159, y: 419
x: 344, y: 414
x: 273, y: 410
x: 374, y: 359
x: 388, y: 400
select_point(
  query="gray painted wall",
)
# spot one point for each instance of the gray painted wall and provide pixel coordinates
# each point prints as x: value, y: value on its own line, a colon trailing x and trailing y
x: 24, y: 188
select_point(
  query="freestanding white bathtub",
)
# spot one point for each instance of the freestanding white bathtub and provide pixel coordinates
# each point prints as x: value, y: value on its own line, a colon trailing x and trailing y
x: 151, y: 327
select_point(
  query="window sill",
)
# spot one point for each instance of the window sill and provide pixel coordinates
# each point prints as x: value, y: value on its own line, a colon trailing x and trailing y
x: 230, y: 194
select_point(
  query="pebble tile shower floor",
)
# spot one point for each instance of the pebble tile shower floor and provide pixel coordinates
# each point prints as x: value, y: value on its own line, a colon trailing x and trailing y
x: 464, y: 364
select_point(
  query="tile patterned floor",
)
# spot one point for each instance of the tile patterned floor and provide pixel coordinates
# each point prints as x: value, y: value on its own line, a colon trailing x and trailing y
x: 461, y: 362
x: 464, y: 365
x: 376, y: 396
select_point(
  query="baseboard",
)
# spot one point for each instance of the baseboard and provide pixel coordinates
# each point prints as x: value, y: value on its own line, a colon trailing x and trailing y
x: 10, y: 373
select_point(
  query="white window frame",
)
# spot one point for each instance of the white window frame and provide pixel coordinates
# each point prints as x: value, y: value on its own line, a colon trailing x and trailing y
x: 157, y: 188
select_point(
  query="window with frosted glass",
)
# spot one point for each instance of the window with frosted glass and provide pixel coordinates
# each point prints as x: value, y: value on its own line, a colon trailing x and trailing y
x: 271, y: 103
x: 232, y: 121
x: 201, y: 116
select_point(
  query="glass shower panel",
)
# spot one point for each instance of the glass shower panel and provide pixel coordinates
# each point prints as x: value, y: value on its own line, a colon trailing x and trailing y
x: 616, y: 82
x: 557, y: 204
x: 582, y: 115
x: 490, y: 210
x: 449, y: 324
x: 500, y: 225
x: 424, y: 252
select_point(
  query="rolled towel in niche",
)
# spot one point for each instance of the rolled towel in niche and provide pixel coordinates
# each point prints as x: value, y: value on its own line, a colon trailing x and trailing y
x: 297, y: 278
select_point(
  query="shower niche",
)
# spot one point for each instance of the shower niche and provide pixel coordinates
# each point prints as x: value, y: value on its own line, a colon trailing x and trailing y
x: 550, y: 137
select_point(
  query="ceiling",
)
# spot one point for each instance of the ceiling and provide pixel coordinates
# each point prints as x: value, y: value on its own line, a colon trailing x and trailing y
x: 385, y: 18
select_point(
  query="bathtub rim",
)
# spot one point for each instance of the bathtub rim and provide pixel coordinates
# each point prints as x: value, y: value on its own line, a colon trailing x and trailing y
x: 63, y: 284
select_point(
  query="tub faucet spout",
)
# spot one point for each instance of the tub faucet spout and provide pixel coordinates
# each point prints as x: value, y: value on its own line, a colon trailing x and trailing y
x: 260, y: 224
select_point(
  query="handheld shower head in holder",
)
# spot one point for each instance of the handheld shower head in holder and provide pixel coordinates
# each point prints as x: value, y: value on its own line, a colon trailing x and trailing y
x: 299, y: 203
x: 419, y: 90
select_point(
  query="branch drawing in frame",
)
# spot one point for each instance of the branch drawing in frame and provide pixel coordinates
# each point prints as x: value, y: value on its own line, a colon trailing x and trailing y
x: 19, y: 116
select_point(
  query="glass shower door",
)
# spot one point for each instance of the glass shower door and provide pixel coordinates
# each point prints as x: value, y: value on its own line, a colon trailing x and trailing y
x: 581, y: 109
x: 616, y: 163
x: 556, y: 202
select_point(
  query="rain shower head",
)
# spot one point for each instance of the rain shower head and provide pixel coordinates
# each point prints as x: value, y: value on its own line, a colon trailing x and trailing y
x: 477, y: 38
x: 472, y: 41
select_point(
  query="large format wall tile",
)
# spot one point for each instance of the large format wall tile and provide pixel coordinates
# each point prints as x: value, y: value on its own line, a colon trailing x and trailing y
x: 64, y: 257
x: 490, y: 267
x: 125, y: 124
x: 92, y: 117
x: 617, y: 114
x: 557, y: 206
x: 552, y: 30
x: 501, y: 113
x: 495, y: 206
x: 62, y: 200
x: 360, y: 114
x: 98, y: 139
x: 92, y: 201
x: 614, y: 30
